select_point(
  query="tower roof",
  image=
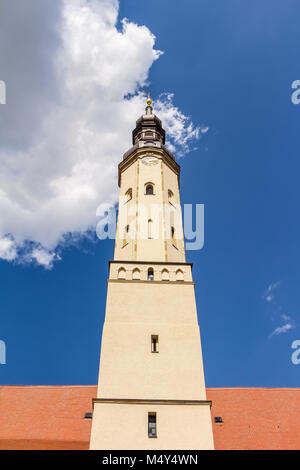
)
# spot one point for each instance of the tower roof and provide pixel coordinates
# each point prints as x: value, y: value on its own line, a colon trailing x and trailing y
x: 148, y: 132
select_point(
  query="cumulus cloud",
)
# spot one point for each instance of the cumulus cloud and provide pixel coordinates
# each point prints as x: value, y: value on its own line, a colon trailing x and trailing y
x: 71, y: 106
x: 43, y: 257
x: 181, y: 130
x: 7, y: 249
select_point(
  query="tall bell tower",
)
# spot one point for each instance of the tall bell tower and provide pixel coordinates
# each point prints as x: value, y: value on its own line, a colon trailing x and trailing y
x: 151, y: 390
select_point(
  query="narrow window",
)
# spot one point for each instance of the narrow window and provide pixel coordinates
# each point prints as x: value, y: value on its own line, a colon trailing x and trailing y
x: 150, y: 228
x: 154, y: 343
x: 128, y: 195
x: 165, y: 275
x: 152, y: 428
x: 125, y: 239
x: 174, y: 241
x: 171, y: 197
x: 149, y: 189
x: 150, y: 274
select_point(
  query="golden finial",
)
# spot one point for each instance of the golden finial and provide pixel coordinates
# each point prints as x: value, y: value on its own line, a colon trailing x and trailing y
x: 149, y: 100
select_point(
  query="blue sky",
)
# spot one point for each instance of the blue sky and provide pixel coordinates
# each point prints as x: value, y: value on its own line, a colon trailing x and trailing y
x: 230, y: 66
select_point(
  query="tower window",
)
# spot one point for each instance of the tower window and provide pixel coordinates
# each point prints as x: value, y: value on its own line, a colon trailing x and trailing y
x: 165, y: 275
x: 154, y: 343
x: 149, y: 189
x: 149, y: 134
x: 128, y: 195
x: 150, y: 274
x: 125, y: 239
x: 121, y: 273
x: 152, y: 425
x: 150, y: 223
x: 136, y: 274
x: 174, y: 241
x: 171, y: 197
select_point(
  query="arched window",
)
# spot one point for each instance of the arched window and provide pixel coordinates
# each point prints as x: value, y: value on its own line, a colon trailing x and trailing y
x: 128, y: 195
x: 136, y: 274
x: 150, y: 274
x: 121, y: 273
x: 171, y: 197
x: 179, y: 275
x: 149, y: 189
x: 165, y: 275
x: 150, y: 224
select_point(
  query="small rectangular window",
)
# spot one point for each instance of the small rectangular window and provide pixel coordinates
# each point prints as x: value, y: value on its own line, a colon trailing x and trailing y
x: 218, y: 419
x: 154, y: 343
x: 152, y: 427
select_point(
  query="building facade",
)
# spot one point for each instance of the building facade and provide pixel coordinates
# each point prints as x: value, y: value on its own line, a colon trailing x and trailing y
x: 151, y: 390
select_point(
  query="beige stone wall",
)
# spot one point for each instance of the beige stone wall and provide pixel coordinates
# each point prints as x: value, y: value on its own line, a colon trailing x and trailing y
x: 124, y: 426
x: 136, y: 311
x: 157, y: 207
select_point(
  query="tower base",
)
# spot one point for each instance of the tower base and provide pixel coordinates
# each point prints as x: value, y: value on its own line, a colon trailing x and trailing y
x: 123, y: 424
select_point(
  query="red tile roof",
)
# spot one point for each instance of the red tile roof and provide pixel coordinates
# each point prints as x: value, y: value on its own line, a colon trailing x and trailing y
x: 256, y: 418
x: 45, y: 417
x: 52, y: 417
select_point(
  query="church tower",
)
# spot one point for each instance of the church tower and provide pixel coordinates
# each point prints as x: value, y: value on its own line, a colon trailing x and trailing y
x: 151, y: 391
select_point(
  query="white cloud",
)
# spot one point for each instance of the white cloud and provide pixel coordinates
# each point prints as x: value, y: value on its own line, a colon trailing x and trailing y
x: 276, y: 308
x: 281, y: 329
x: 7, y: 249
x: 43, y: 257
x: 269, y: 296
x: 181, y: 130
x: 51, y: 187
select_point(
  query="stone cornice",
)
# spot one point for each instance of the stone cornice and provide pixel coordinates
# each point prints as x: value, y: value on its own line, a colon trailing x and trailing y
x: 172, y: 263
x: 141, y: 401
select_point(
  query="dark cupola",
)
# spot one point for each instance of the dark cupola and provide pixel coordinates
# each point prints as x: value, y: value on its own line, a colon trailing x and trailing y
x: 148, y: 131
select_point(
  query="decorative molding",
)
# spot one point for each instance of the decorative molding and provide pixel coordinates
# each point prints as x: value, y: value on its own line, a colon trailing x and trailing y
x: 186, y: 283
x: 172, y: 263
x: 141, y: 401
